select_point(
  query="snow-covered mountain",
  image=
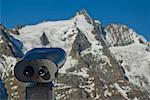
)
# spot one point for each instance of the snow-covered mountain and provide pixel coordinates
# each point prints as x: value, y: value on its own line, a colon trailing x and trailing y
x: 120, y: 35
x: 109, y: 63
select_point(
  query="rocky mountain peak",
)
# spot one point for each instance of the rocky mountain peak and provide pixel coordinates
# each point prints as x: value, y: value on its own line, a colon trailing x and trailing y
x: 83, y: 12
x: 120, y: 35
x: 86, y: 15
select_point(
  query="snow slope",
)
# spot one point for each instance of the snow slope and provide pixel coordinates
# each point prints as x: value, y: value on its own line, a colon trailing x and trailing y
x: 59, y: 33
x: 136, y: 62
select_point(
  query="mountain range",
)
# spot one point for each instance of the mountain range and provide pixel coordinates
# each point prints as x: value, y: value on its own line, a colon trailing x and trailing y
x: 103, y: 62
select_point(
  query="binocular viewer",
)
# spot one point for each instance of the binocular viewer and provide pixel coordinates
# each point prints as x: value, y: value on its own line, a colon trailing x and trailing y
x: 40, y: 65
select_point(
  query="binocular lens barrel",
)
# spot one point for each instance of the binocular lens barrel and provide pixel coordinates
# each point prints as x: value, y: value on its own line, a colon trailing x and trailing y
x: 28, y: 71
x: 42, y: 71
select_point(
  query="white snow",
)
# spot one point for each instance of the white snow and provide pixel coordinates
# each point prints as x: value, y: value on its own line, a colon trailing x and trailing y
x: 68, y: 64
x: 1, y: 40
x: 15, y: 94
x: 30, y: 35
x: 82, y: 72
x: 135, y: 98
x: 61, y: 86
x: 107, y: 93
x: 59, y: 96
x: 121, y: 91
x: 95, y: 49
x: 14, y: 87
x: 11, y: 83
x: 136, y: 63
x: 7, y: 65
x: 97, y: 21
x: 60, y: 34
x: 87, y: 28
x: 88, y: 88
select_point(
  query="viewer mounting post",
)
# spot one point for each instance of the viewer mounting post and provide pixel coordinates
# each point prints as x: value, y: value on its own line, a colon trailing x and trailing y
x: 39, y: 67
x: 40, y: 92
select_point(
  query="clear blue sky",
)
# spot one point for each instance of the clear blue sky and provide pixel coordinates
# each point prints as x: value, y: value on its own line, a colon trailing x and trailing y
x: 134, y: 13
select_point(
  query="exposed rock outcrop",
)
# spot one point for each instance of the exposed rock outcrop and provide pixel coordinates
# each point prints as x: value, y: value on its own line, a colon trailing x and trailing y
x: 120, y: 35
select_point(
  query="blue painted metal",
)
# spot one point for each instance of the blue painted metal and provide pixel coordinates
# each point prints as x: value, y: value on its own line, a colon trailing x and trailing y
x: 57, y: 55
x: 3, y: 91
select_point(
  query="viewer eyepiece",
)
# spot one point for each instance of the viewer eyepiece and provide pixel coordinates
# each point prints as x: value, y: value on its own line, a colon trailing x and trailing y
x: 42, y: 71
x: 28, y: 71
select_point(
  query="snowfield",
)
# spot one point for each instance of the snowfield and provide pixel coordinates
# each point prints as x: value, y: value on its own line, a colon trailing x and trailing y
x: 136, y: 62
x: 60, y: 34
x: 7, y: 64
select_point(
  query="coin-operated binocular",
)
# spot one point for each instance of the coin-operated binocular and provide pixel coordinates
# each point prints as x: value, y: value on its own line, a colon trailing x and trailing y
x: 40, y: 65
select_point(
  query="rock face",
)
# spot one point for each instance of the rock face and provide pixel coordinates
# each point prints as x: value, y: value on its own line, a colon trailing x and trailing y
x: 44, y: 39
x: 4, y: 44
x: 120, y: 35
x: 81, y: 43
x: 10, y: 46
x: 6, y: 64
x: 148, y: 47
x: 92, y: 70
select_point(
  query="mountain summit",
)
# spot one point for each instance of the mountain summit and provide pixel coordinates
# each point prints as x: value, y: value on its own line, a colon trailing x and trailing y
x: 110, y: 63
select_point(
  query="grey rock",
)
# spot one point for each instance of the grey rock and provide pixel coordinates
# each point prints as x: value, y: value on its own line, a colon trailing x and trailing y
x: 4, y: 45
x: 120, y: 35
x: 148, y: 47
x: 44, y: 39
x: 81, y: 43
